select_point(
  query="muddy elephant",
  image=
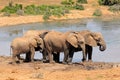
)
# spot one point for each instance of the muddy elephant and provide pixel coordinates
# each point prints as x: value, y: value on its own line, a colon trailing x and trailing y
x: 27, y: 45
x: 31, y: 33
x: 60, y: 42
x: 92, y: 39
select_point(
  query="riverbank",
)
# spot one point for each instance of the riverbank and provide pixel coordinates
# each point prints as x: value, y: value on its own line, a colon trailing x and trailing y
x: 90, y: 7
x: 46, y: 71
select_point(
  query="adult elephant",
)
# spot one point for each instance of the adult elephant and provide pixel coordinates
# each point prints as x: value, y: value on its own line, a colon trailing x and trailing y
x: 92, y: 39
x: 26, y: 45
x: 61, y: 42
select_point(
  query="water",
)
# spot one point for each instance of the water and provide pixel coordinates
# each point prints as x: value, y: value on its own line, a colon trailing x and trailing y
x: 110, y: 30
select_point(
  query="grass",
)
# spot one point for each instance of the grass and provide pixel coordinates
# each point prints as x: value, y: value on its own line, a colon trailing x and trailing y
x: 45, y: 10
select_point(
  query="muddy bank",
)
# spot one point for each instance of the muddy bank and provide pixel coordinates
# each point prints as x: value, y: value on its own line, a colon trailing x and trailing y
x: 46, y: 71
x: 78, y: 65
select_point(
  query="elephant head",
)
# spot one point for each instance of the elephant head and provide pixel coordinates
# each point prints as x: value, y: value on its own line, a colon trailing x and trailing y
x: 77, y: 41
x: 38, y: 42
x: 95, y: 39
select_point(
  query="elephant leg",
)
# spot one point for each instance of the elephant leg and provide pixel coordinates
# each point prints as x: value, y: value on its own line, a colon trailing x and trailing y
x: 50, y: 56
x: 14, y: 58
x: 56, y: 57
x: 32, y: 54
x: 70, y: 57
x: 45, y: 55
x: 28, y: 56
x: 90, y: 49
x: 65, y: 56
x: 84, y: 54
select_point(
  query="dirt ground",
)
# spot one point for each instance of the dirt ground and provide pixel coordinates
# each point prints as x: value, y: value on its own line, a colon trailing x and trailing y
x: 46, y: 71
x: 58, y: 71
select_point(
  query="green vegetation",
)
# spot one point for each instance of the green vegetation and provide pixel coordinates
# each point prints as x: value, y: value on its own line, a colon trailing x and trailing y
x: 79, y: 7
x: 45, y: 10
x: 115, y: 8
x: 108, y: 2
x: 97, y: 12
x: 82, y: 1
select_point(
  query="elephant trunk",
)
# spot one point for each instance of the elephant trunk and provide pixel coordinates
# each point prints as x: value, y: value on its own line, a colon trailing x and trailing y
x: 102, y: 47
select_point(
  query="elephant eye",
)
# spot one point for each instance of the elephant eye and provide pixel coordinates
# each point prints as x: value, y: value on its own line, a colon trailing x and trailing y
x: 98, y: 40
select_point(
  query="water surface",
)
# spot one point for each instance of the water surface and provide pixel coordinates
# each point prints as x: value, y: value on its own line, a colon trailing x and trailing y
x: 110, y: 30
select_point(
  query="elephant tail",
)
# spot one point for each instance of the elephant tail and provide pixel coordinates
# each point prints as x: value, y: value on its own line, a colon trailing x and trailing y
x: 10, y: 50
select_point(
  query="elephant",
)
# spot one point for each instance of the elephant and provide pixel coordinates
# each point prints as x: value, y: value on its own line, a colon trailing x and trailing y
x: 31, y: 33
x: 26, y: 45
x: 60, y: 42
x: 92, y: 39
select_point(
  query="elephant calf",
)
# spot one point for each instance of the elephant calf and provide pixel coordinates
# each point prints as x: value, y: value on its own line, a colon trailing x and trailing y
x: 26, y: 45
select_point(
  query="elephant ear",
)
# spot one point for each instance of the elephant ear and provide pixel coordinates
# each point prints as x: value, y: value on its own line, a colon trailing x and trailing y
x: 72, y: 39
x: 89, y: 40
x: 33, y: 42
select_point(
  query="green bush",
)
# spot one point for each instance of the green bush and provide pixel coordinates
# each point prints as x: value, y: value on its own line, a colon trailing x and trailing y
x: 114, y: 8
x: 97, y: 12
x: 82, y: 1
x: 67, y: 2
x: 79, y: 7
x: 12, y: 8
x: 30, y: 9
x: 108, y: 2
x: 46, y: 15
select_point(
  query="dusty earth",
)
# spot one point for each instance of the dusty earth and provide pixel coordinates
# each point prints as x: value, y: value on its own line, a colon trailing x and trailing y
x: 46, y: 71
x: 58, y: 71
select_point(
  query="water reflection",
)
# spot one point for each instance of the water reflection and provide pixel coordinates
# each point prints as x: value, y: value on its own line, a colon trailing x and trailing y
x: 109, y: 29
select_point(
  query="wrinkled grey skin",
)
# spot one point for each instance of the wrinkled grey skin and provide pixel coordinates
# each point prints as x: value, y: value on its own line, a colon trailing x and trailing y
x: 26, y: 45
x: 92, y: 39
x: 61, y: 42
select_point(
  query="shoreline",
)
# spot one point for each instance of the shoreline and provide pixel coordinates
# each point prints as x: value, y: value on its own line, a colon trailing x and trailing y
x: 16, y: 20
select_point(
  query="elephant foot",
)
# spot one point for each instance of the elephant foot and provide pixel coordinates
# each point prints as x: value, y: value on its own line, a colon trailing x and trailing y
x: 15, y: 62
x: 90, y: 61
x: 21, y: 61
x: 83, y: 60
x: 69, y: 63
x: 64, y: 62
x: 51, y: 62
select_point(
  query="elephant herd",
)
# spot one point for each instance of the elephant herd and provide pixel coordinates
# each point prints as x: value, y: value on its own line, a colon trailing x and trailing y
x: 51, y: 43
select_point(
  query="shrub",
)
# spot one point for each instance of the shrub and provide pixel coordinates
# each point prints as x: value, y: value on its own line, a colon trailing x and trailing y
x: 47, y: 14
x: 11, y: 8
x: 20, y: 12
x: 97, y: 12
x: 30, y: 9
x: 67, y: 2
x: 82, y: 1
x: 79, y: 7
x: 7, y: 14
x: 108, y: 2
x: 114, y: 8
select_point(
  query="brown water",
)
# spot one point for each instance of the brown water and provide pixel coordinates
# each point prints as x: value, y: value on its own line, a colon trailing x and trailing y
x: 110, y: 30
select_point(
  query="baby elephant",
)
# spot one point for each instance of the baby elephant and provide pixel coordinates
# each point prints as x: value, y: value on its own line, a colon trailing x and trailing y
x: 26, y: 45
